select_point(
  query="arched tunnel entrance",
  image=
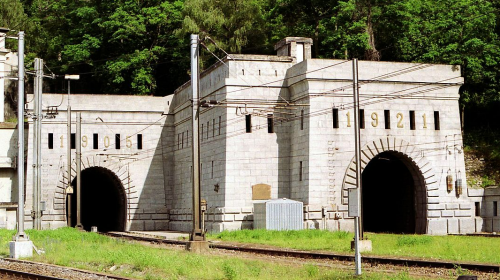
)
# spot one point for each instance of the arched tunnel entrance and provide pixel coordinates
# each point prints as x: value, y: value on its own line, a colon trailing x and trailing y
x: 103, y: 202
x: 392, y: 195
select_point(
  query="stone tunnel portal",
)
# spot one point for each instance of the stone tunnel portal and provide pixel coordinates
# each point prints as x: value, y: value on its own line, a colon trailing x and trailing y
x: 390, y: 195
x: 103, y: 201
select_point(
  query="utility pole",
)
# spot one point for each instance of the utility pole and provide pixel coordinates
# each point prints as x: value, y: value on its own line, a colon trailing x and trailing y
x: 21, y: 235
x: 197, y: 241
x: 78, y: 170
x: 357, y: 220
x: 21, y: 246
x: 68, y: 156
x: 69, y: 189
x: 196, y: 234
x: 37, y: 145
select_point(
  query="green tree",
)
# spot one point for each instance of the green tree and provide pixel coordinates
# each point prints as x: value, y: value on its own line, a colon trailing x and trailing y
x: 307, y: 18
x: 455, y: 32
x: 232, y: 24
x: 12, y: 16
x: 117, y: 46
x: 346, y: 35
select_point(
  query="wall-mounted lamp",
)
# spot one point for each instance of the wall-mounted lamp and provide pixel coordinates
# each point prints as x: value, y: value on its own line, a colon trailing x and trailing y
x: 449, y: 181
x: 458, y: 184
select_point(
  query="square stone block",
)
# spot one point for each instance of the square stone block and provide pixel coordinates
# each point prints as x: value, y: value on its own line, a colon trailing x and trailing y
x: 347, y: 225
x: 21, y: 249
x: 447, y: 213
x: 479, y: 225
x: 467, y: 225
x: 452, y: 226
x: 437, y: 227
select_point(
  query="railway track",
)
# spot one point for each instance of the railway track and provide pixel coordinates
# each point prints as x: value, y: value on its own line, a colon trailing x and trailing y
x: 15, y: 274
x: 408, y: 262
x: 13, y: 269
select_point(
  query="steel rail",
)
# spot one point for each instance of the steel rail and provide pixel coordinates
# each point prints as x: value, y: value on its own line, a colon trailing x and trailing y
x: 409, y: 262
x: 29, y: 275
x: 26, y: 275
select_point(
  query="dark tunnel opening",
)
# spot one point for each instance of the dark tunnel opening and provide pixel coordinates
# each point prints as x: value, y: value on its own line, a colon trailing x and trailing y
x: 388, y: 196
x: 103, y: 202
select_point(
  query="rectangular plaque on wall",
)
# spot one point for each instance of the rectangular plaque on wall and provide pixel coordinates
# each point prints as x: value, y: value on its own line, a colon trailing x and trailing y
x: 261, y: 192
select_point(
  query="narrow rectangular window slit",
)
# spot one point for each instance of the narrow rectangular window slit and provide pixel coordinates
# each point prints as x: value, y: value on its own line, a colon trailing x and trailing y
x: 73, y: 141
x: 95, y: 142
x: 437, y: 125
x: 477, y: 205
x: 495, y: 208
x: 412, y: 120
x: 361, y: 118
x: 387, y: 119
x: 51, y: 141
x: 270, y: 123
x: 248, y: 123
x: 220, y: 118
x: 117, y: 141
x: 301, y: 119
x: 335, y: 117
x: 139, y: 141
x: 300, y: 171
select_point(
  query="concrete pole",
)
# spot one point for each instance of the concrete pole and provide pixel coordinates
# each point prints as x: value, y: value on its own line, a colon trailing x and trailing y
x: 39, y: 147
x: 2, y: 75
x: 68, y: 143
x: 357, y: 219
x: 197, y: 234
x: 36, y: 114
x: 78, y: 170
x: 20, y: 235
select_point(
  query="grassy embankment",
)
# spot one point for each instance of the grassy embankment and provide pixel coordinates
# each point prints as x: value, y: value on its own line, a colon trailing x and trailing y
x: 72, y: 248
x: 454, y: 248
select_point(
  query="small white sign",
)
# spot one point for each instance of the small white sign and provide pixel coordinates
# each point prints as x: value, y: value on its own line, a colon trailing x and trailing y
x: 69, y: 190
x: 353, y: 210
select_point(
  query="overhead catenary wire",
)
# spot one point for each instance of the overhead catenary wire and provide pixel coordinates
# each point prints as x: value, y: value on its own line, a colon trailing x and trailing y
x: 384, y: 76
x: 326, y: 111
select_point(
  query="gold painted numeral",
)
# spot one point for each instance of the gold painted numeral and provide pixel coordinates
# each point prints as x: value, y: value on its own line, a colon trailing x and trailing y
x: 425, y: 121
x: 348, y: 119
x: 375, y: 119
x: 106, y: 141
x: 129, y: 142
x: 400, y: 120
x: 84, y: 141
x: 62, y: 141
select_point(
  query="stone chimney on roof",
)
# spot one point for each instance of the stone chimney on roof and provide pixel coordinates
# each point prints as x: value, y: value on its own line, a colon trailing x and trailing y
x: 297, y: 47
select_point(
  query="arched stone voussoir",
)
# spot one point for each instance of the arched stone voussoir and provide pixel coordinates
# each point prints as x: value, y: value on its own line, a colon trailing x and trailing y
x: 407, y: 152
x: 114, y: 165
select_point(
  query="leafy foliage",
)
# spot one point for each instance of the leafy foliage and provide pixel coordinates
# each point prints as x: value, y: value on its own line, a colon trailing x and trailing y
x: 141, y: 47
x: 119, y: 45
x: 13, y: 17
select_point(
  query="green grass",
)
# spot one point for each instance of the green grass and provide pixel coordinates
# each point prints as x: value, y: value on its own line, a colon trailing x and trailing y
x: 453, y: 248
x: 90, y: 251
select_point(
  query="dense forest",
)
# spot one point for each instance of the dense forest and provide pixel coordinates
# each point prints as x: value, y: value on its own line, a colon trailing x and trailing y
x: 142, y: 47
